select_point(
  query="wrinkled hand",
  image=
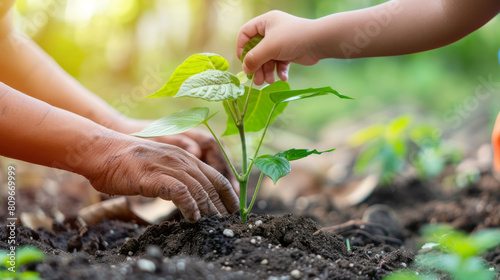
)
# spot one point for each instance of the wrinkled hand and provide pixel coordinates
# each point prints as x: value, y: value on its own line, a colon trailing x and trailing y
x: 198, y: 142
x: 286, y: 39
x: 133, y: 166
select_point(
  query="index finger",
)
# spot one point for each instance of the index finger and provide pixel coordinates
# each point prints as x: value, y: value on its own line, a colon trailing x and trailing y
x: 226, y: 192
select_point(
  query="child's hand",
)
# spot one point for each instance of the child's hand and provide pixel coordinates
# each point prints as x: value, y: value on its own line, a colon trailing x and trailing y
x: 286, y: 39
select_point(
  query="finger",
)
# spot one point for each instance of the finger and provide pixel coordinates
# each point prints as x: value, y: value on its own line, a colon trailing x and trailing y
x: 259, y: 55
x: 248, y: 31
x: 213, y: 156
x: 282, y: 70
x: 268, y: 69
x: 226, y: 192
x: 169, y: 188
x: 214, y: 203
x: 258, y: 78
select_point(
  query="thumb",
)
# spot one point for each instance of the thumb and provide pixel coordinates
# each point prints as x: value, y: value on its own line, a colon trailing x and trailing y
x: 259, y: 55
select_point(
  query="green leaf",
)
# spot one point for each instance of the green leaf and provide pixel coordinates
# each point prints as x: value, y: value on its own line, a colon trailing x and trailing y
x: 29, y: 275
x: 28, y: 254
x: 368, y: 134
x: 273, y: 166
x: 295, y: 154
x: 407, y: 274
x: 291, y: 95
x: 7, y: 275
x: 258, y: 109
x: 242, y: 77
x: 212, y: 85
x: 176, y: 123
x: 250, y: 45
x: 397, y: 127
x: 193, y: 65
x: 485, y: 240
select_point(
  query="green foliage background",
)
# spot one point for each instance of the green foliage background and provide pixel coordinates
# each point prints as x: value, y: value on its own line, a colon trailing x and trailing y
x: 113, y: 46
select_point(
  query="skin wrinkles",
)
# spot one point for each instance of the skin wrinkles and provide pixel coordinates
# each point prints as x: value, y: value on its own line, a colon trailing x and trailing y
x: 45, y: 116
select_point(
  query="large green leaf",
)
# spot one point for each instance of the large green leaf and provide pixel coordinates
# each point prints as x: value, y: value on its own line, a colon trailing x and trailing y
x: 290, y: 95
x: 176, y: 123
x: 212, y: 85
x: 250, y: 45
x: 258, y: 109
x: 295, y: 154
x: 193, y: 65
x: 273, y: 166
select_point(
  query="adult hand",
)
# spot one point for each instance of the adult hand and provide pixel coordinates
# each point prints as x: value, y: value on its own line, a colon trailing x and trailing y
x: 133, y: 166
x: 198, y: 142
x: 286, y: 39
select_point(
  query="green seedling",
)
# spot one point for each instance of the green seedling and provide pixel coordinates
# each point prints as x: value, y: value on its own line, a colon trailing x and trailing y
x: 455, y: 253
x: 389, y: 149
x: 407, y: 274
x: 458, y: 252
x: 11, y: 263
x: 206, y: 76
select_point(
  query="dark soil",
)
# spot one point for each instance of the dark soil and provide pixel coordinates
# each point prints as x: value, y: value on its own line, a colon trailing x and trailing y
x: 282, y: 246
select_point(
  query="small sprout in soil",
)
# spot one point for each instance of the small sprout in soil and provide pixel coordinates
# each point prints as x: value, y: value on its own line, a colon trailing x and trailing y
x: 455, y: 253
x: 15, y: 260
x: 348, y: 243
x: 387, y: 149
x: 249, y: 109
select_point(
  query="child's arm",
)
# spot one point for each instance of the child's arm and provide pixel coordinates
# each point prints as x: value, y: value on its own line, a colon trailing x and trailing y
x: 393, y: 28
x: 114, y: 163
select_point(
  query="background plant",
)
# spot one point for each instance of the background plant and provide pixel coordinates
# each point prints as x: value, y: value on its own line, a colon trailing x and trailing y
x: 453, y: 252
x: 24, y: 256
x: 205, y: 76
x: 389, y: 149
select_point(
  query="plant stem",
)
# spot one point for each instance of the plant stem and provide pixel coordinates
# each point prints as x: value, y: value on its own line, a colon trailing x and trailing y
x: 243, y: 200
x: 261, y: 140
x: 254, y: 194
x: 248, y: 98
x: 233, y: 115
x: 238, y: 177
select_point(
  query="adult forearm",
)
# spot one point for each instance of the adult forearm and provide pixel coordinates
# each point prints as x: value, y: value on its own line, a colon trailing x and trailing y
x: 34, y: 131
x: 400, y: 27
x: 29, y: 69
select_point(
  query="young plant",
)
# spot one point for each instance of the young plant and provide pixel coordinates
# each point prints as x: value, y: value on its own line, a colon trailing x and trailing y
x: 12, y: 261
x: 389, y: 148
x: 206, y: 76
x: 454, y: 253
x: 458, y: 252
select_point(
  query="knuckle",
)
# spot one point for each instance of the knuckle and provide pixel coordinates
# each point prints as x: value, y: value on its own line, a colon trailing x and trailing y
x: 221, y: 182
x: 200, y: 196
